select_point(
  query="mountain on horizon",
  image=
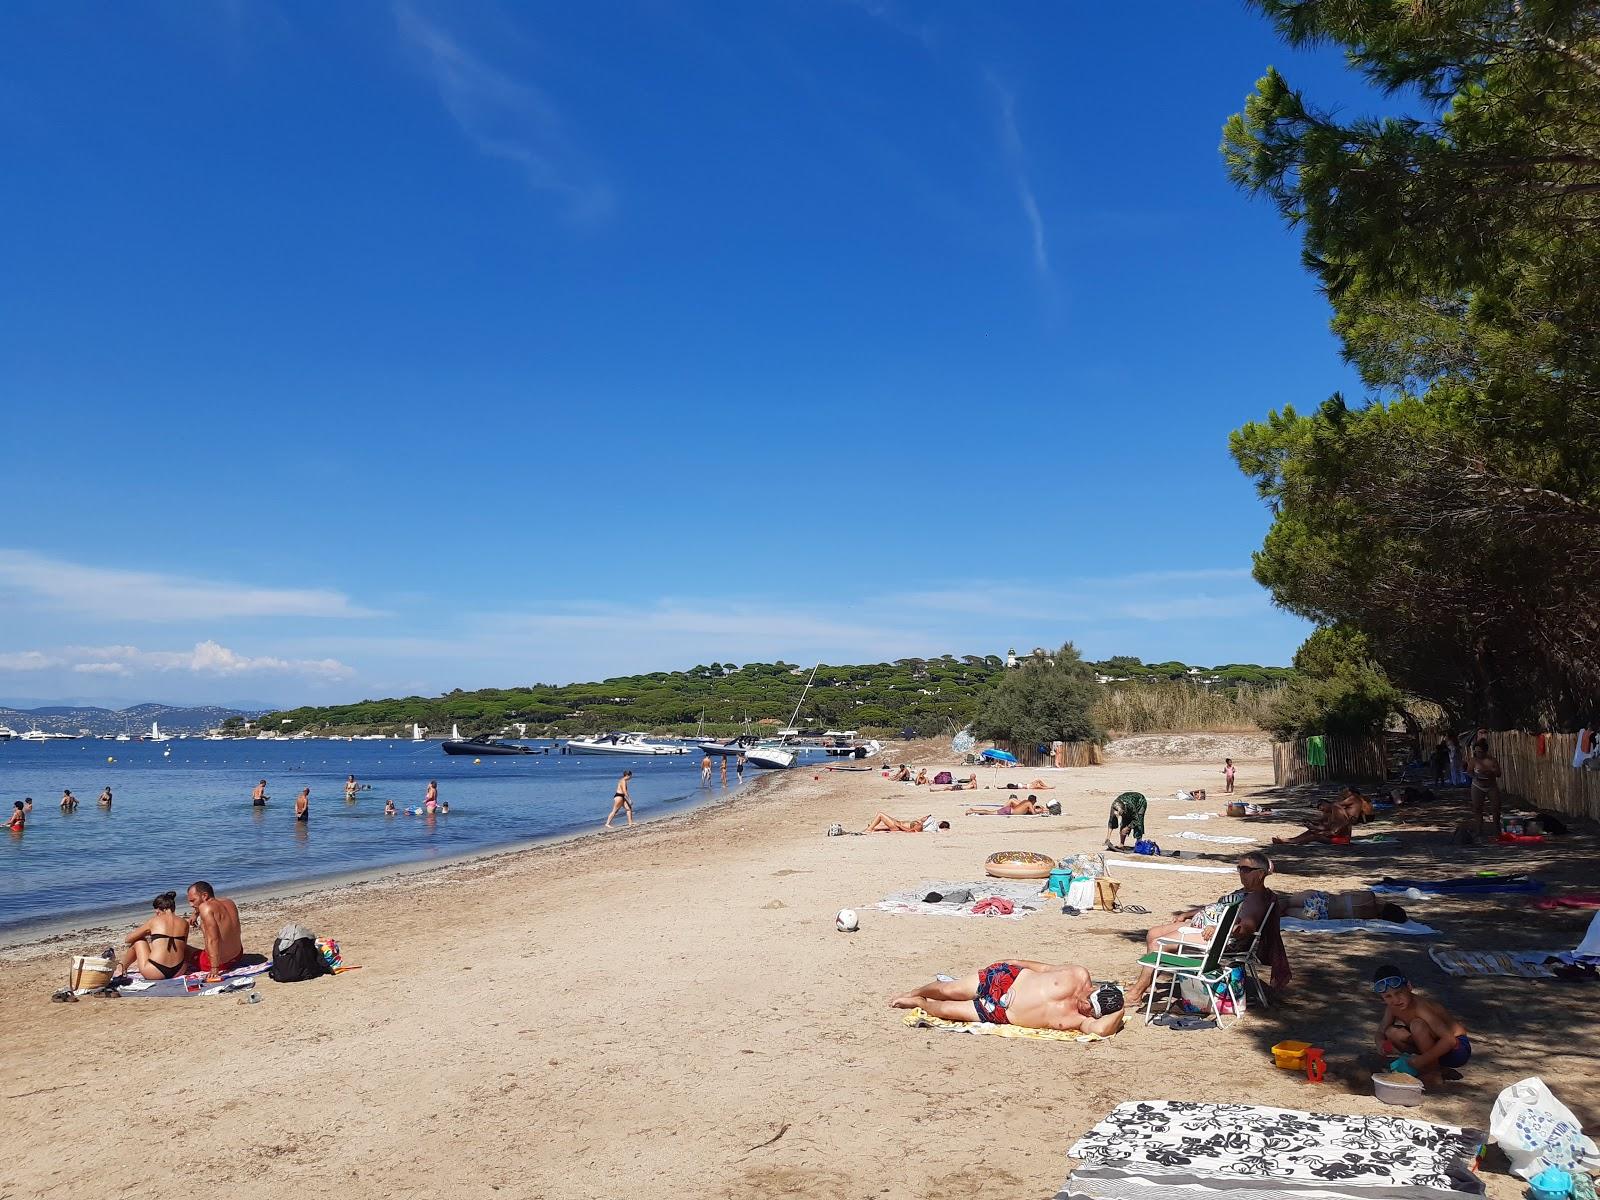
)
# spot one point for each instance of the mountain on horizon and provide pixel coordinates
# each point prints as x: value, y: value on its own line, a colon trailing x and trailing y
x: 67, y: 718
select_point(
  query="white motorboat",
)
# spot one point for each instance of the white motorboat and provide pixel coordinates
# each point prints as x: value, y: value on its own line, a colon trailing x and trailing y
x: 769, y: 758
x: 731, y: 748
x: 7, y: 733
x: 33, y: 735
x: 619, y: 743
x: 122, y: 737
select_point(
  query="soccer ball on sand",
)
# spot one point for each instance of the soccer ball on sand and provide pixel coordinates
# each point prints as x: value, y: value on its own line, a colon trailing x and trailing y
x: 846, y: 921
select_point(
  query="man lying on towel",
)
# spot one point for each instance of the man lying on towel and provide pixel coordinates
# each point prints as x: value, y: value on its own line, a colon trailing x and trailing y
x: 1336, y: 821
x: 1024, y: 993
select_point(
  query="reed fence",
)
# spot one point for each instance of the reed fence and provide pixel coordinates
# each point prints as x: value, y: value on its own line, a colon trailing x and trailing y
x: 1546, y: 779
x: 1061, y: 754
x: 1350, y: 760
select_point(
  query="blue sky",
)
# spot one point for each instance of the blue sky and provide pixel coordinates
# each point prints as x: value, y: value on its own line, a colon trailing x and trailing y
x: 357, y: 349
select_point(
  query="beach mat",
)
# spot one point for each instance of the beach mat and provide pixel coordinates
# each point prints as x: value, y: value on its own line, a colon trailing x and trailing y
x: 1468, y: 885
x: 1152, y: 1148
x: 237, y: 980
x: 917, y: 1019
x: 1024, y: 894
x: 1394, y: 928
x: 1522, y: 964
x: 1149, y: 862
x: 1227, y: 839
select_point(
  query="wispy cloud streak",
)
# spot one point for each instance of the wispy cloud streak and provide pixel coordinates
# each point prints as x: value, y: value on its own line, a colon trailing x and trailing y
x: 506, y: 118
x: 114, y: 593
x: 1017, y: 164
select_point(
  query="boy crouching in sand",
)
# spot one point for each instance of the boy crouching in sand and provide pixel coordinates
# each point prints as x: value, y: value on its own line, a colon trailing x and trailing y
x: 1430, y: 1038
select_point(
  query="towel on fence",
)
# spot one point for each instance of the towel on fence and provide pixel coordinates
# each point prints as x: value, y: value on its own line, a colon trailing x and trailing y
x: 917, y: 1019
x: 1469, y: 885
x: 1023, y: 894
x: 1150, y: 863
x: 1397, y: 928
x: 1214, y: 837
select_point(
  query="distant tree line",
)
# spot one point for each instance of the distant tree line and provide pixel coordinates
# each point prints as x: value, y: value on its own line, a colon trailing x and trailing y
x: 926, y: 696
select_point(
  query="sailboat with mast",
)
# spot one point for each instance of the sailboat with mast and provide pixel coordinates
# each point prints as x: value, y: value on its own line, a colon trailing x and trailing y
x: 775, y: 756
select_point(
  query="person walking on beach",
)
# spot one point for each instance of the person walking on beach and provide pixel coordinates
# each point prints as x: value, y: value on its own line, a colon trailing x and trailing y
x: 69, y: 802
x: 1227, y: 775
x: 258, y: 798
x: 1485, y: 770
x: 621, y: 799
x: 351, y: 787
x: 705, y: 769
x: 302, y: 806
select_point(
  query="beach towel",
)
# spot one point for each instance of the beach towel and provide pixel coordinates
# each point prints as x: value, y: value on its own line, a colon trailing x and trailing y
x: 1468, y: 885
x: 1194, y: 817
x: 1165, y: 864
x: 1396, y: 928
x: 1316, y: 751
x: 1215, y: 837
x: 917, y: 1019
x: 1523, y: 964
x: 237, y: 980
x: 1154, y: 1147
x: 1024, y: 895
x: 1571, y: 900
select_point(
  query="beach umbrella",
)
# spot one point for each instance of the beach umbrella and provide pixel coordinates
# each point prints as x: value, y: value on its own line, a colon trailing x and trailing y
x: 999, y: 756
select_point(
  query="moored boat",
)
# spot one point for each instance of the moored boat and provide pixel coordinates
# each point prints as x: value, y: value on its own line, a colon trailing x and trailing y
x: 619, y: 743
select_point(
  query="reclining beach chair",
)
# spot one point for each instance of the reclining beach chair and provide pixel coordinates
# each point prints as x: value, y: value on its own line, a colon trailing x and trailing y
x: 1177, y: 960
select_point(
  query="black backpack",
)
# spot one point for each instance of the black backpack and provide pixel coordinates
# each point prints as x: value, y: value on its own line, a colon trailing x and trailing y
x: 297, y: 960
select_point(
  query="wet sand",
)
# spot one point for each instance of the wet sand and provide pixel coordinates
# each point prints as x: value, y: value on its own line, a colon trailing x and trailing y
x: 669, y: 1010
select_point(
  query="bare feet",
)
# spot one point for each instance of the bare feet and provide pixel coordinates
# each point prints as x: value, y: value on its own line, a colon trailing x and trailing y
x: 909, y: 1000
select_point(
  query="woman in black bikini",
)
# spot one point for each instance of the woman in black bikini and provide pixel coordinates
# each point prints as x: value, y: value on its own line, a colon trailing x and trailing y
x: 621, y: 799
x: 159, y: 948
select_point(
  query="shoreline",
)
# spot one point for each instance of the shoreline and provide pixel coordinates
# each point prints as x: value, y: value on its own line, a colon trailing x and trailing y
x: 22, y: 943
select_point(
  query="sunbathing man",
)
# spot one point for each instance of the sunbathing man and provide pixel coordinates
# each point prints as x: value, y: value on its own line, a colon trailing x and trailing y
x: 1011, y: 808
x: 218, y: 918
x: 1257, y: 903
x: 884, y: 823
x: 1361, y: 904
x: 1430, y: 1038
x: 1024, y: 993
x: 1335, y: 822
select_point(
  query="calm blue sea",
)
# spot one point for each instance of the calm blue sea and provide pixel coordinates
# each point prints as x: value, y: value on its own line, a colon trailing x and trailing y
x: 188, y: 816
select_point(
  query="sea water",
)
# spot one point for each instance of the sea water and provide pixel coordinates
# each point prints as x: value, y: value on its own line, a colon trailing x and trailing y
x: 186, y: 816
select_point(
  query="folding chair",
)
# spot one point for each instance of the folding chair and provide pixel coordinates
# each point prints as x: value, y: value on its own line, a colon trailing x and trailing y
x: 1176, y: 960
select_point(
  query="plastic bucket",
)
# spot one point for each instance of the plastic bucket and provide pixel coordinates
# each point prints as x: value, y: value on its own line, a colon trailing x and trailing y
x: 91, y: 972
x: 1290, y: 1056
x: 1390, y: 1092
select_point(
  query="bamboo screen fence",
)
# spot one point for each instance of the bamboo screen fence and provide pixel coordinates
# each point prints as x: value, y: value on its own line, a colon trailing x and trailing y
x: 1542, y: 780
x: 1065, y: 754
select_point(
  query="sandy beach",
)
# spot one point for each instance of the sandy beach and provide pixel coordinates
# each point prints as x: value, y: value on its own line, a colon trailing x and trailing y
x: 669, y: 1010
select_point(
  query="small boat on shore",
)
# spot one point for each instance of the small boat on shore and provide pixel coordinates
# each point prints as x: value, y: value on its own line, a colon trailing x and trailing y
x: 770, y: 758
x: 728, y: 748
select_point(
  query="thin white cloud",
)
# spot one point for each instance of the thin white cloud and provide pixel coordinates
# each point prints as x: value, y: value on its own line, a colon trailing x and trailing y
x: 207, y: 658
x: 113, y: 593
x: 1017, y: 164
x: 506, y: 118
x: 28, y: 660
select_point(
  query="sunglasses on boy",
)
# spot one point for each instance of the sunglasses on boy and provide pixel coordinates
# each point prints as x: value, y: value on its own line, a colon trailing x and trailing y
x: 1388, y: 984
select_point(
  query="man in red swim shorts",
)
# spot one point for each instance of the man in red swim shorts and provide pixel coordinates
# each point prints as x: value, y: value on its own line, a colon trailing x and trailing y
x: 1021, y: 992
x: 218, y: 918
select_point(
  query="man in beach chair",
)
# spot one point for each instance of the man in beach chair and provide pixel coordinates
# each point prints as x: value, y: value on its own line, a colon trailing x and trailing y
x: 1258, y: 904
x: 1024, y: 993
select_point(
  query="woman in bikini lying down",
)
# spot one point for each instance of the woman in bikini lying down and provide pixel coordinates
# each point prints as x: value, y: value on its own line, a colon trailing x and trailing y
x: 158, y: 949
x: 884, y: 823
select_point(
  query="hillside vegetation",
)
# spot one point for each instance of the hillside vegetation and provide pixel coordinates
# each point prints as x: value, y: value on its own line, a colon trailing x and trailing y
x: 927, y: 696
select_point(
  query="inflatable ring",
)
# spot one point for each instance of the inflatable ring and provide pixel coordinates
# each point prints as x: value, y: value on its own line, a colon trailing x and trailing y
x: 1019, y: 864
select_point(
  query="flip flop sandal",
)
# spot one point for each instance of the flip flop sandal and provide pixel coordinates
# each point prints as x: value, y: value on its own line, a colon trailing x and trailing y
x: 1137, y: 910
x: 64, y: 996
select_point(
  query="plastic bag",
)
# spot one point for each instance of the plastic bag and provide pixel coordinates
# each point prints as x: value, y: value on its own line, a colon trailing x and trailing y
x: 1535, y: 1131
x: 1081, y: 894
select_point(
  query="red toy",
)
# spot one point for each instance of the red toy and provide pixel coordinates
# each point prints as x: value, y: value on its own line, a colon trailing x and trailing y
x: 1316, y: 1065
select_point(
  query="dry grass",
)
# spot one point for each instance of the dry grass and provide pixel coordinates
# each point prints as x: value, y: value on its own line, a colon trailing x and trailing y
x: 1186, y: 707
